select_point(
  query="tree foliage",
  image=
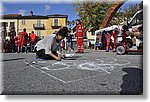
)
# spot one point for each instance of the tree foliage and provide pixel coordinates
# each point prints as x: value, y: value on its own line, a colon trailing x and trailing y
x: 91, y: 13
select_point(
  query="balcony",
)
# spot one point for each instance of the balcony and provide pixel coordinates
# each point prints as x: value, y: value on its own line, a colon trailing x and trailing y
x: 56, y: 25
x: 38, y: 26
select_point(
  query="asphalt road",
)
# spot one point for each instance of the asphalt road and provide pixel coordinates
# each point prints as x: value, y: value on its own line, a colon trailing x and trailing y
x: 94, y: 72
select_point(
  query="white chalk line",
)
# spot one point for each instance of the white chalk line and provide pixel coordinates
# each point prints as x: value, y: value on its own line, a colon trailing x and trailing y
x: 57, y: 63
x: 61, y: 79
x: 94, y: 69
x: 84, y: 78
x: 80, y: 66
x: 46, y: 73
x: 97, y: 66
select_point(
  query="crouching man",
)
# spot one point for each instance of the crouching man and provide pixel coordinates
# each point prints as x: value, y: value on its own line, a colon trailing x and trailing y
x: 48, y: 48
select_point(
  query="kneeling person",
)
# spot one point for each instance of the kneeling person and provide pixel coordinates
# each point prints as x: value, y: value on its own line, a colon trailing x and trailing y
x: 48, y: 48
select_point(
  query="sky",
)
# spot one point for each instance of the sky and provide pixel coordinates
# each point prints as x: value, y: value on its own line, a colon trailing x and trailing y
x: 45, y: 8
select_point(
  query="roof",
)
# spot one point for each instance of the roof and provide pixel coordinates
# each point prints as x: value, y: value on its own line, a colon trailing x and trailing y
x: 33, y: 17
x: 108, y: 28
x: 19, y: 16
x: 57, y: 16
x: 11, y: 16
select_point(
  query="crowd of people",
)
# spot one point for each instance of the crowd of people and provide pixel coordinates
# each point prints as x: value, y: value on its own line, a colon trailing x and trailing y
x: 107, y: 40
x: 49, y: 47
x: 21, y: 43
x: 104, y: 40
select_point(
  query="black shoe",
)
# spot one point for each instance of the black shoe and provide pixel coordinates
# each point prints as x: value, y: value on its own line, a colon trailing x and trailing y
x: 78, y: 52
x: 36, y: 56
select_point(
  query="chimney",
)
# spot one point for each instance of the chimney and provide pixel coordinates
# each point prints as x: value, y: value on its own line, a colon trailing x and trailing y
x: 31, y: 13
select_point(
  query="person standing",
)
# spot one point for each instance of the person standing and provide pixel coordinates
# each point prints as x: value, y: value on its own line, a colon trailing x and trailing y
x: 114, y: 34
x: 17, y: 43
x: 108, y: 41
x: 32, y: 40
x: 79, y: 36
x: 24, y: 39
x: 104, y: 33
x: 90, y: 45
x: 69, y: 42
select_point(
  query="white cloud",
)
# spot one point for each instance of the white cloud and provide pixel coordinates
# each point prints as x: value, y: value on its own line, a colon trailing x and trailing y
x: 47, y: 8
x: 22, y: 12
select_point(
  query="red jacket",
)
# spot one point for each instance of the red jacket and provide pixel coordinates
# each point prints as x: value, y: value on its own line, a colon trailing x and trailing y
x: 18, y: 40
x: 32, y: 38
x: 79, y: 30
x: 24, y: 38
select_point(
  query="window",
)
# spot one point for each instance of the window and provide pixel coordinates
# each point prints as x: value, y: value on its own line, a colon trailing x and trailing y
x: 93, y: 33
x: 38, y: 23
x: 23, y: 22
x: 137, y: 20
x: 12, y: 24
x: 5, y: 24
x: 56, y: 22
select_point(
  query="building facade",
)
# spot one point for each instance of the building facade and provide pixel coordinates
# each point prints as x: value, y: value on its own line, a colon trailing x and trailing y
x: 9, y: 25
x: 41, y: 25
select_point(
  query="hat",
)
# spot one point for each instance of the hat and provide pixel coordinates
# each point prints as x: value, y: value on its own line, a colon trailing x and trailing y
x: 65, y: 29
x: 64, y: 33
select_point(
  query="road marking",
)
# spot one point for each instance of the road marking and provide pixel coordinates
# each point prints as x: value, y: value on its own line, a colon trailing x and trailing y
x: 100, y: 64
x: 46, y: 73
x: 81, y: 66
x: 67, y: 82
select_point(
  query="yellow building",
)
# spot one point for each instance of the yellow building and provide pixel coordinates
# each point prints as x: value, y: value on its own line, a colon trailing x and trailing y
x: 41, y: 25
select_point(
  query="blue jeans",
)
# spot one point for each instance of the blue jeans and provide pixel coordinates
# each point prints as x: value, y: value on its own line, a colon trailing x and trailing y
x: 21, y: 49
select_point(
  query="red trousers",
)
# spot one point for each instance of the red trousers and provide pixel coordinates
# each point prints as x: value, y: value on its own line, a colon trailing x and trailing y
x: 115, y: 42
x: 80, y: 44
x: 108, y: 45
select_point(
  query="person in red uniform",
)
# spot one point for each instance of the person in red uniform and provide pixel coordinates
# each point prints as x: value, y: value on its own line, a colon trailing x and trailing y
x: 108, y: 38
x: 24, y: 39
x: 124, y: 35
x: 79, y: 36
x: 17, y: 43
x: 114, y: 34
x: 32, y: 40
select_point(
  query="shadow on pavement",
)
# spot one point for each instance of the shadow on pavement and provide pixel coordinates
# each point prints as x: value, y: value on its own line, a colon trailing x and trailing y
x: 132, y: 82
x: 134, y: 53
x: 14, y: 59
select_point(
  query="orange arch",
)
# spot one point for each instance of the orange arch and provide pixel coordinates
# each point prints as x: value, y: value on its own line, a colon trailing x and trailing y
x: 112, y: 10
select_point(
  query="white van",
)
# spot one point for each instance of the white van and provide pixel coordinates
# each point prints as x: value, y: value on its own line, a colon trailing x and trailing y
x: 136, y: 20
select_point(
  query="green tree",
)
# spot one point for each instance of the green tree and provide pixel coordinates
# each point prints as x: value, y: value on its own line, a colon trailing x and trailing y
x: 91, y: 13
x: 141, y: 5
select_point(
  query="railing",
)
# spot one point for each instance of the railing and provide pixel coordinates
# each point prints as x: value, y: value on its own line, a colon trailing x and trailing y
x: 56, y: 25
x: 38, y: 26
